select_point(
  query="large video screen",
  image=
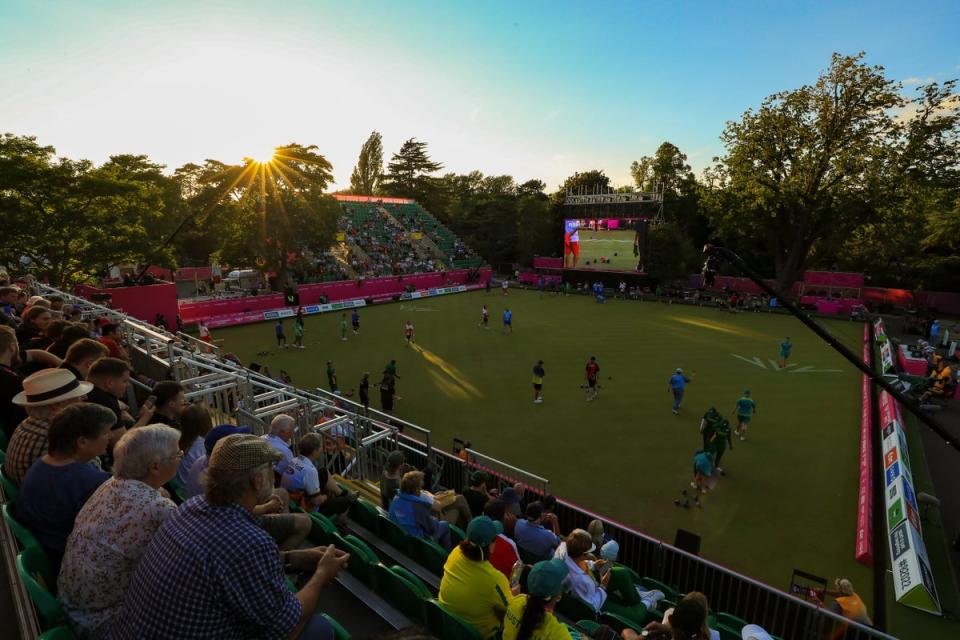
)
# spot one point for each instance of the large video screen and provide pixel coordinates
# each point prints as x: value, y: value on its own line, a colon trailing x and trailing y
x: 607, y: 244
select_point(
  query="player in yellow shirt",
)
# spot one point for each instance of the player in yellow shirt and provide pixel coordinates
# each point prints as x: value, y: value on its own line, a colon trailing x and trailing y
x: 530, y: 617
x: 471, y: 587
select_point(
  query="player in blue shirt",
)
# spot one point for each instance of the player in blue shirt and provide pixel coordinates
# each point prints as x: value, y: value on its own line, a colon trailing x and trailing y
x: 355, y: 320
x: 507, y: 321
x: 745, y: 408
x: 785, y: 348
x: 281, y: 336
x: 678, y: 382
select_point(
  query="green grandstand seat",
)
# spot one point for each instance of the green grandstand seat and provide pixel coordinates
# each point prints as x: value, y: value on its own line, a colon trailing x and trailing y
x: 589, y: 626
x: 23, y: 535
x: 10, y: 489
x: 429, y: 554
x: 38, y: 576
x: 404, y: 596
x: 727, y: 633
x: 574, y: 608
x: 362, y: 559
x: 529, y: 557
x: 178, y: 493
x: 323, y: 529
x: 649, y: 584
x: 410, y: 577
x: 365, y: 514
x: 339, y: 633
x: 393, y: 533
x: 447, y: 625
x: 732, y: 621
x: 457, y: 535
x: 58, y: 633
x: 3, y: 456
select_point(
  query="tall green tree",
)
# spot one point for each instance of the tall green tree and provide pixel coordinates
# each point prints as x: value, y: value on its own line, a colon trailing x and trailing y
x: 366, y: 176
x: 808, y: 167
x: 410, y: 172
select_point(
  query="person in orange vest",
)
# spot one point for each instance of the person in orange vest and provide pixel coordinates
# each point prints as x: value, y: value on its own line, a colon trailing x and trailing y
x: 847, y: 604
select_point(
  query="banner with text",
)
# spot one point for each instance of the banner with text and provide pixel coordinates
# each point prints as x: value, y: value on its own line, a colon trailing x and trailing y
x: 428, y: 293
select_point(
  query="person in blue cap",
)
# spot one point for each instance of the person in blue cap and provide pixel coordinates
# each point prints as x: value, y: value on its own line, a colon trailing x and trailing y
x: 531, y: 616
x: 678, y: 382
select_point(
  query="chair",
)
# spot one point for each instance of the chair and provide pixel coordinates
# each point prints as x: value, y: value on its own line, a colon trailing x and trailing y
x: 649, y: 584
x: 339, y: 633
x: 729, y: 625
x: 447, y: 625
x: 178, y: 493
x: 574, y: 608
x: 38, y: 575
x: 365, y: 514
x: 3, y: 456
x: 23, y: 535
x: 362, y: 559
x: 429, y: 554
x: 406, y: 597
x: 393, y: 533
x: 457, y: 535
x: 529, y: 557
x: 10, y: 489
x: 58, y: 633
x: 323, y: 529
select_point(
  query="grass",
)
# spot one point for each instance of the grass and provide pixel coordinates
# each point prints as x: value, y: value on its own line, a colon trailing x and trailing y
x: 790, y: 495
x: 597, y: 244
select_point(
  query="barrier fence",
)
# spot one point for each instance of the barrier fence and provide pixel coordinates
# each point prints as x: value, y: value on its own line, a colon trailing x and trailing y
x: 363, y: 437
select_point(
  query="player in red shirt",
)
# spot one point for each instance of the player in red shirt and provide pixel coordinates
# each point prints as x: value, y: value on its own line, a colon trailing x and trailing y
x: 591, y: 374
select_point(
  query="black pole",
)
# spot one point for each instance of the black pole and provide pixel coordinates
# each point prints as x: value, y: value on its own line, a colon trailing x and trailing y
x: 879, y: 380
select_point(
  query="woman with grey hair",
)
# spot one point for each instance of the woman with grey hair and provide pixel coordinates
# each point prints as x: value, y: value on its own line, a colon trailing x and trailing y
x: 115, y: 526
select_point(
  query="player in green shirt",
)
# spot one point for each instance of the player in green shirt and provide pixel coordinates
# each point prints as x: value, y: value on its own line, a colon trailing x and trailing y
x: 745, y: 408
x: 718, y: 442
x: 343, y: 326
x: 785, y: 348
x: 298, y: 333
x: 332, y: 377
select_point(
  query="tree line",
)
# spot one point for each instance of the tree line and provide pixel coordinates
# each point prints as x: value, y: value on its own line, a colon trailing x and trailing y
x: 846, y: 173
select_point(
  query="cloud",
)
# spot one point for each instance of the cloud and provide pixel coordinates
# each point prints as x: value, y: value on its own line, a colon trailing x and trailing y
x: 914, y: 80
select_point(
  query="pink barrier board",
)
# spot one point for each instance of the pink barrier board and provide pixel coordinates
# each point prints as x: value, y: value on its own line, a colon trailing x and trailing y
x: 833, y: 279
x: 143, y: 302
x: 864, y: 550
x: 540, y: 262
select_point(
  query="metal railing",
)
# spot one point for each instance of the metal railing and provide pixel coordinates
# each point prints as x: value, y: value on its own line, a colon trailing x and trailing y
x: 365, y: 436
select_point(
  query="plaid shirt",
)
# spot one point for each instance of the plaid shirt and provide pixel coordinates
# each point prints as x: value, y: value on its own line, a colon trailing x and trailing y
x: 28, y: 443
x: 209, y: 572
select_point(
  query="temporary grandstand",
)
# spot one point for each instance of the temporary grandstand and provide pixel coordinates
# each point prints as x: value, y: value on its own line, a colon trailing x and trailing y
x: 392, y: 578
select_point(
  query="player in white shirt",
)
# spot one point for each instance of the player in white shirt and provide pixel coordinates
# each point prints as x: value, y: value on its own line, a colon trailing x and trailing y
x: 484, y: 317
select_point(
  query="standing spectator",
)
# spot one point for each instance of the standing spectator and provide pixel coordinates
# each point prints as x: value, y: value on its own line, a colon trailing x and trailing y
x: 411, y: 510
x: 110, y: 336
x: 365, y: 392
x: 505, y: 553
x: 44, y: 395
x: 81, y: 355
x: 393, y: 470
x: 169, y: 403
x: 676, y: 385
x: 935, y: 333
x: 115, y: 526
x: 530, y: 616
x: 282, y: 429
x: 332, y: 377
x: 59, y: 483
x: 195, y: 424
x: 211, y: 570
x: 531, y: 535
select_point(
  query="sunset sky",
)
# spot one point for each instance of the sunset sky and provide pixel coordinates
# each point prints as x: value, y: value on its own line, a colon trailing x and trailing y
x: 532, y: 89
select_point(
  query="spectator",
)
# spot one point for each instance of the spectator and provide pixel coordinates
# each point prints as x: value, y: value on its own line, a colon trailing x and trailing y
x: 848, y: 604
x: 11, y: 380
x: 705, y: 631
x: 686, y: 622
x: 110, y: 338
x: 309, y: 486
x: 531, y: 535
x: 81, y: 355
x: 71, y: 333
x: 390, y: 477
x: 505, y: 553
x: 58, y: 483
x: 550, y: 520
x: 115, y: 526
x: 8, y: 308
x: 211, y: 570
x: 282, y: 429
x: 530, y: 616
x: 194, y: 484
x: 195, y: 424
x: 411, y: 510
x: 110, y: 377
x: 33, y: 326
x: 477, y: 494
x: 471, y: 587
x: 44, y: 395
x: 595, y: 529
x: 169, y: 403
x: 511, y: 498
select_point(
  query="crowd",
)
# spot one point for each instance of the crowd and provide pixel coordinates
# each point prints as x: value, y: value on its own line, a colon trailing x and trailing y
x: 388, y: 248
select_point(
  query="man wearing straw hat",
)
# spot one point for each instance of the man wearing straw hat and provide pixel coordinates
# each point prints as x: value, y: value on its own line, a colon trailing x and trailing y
x: 44, y: 395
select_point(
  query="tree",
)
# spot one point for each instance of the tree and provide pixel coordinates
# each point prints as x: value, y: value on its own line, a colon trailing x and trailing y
x: 67, y: 220
x: 807, y: 168
x: 642, y: 172
x: 366, y: 176
x: 409, y: 172
x: 589, y: 181
x: 671, y: 254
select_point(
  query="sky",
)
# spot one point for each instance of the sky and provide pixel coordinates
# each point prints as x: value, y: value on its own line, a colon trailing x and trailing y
x: 534, y: 89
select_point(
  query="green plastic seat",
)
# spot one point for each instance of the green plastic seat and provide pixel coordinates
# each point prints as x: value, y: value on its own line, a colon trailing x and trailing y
x: 589, y: 626
x: 619, y: 622
x: 38, y: 575
x: 732, y: 621
x: 362, y: 559
x: 457, y: 535
x: 529, y: 557
x: 429, y: 554
x: 728, y: 633
x: 58, y: 633
x: 178, y: 493
x: 3, y: 456
x: 413, y: 579
x: 400, y: 593
x: 447, y: 625
x: 649, y: 584
x: 365, y: 514
x: 323, y: 529
x: 393, y: 533
x: 339, y: 633
x: 10, y: 489
x: 574, y: 608
x: 23, y: 535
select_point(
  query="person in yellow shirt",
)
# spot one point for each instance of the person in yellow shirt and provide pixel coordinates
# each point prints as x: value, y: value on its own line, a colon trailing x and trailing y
x: 530, y: 617
x: 471, y: 587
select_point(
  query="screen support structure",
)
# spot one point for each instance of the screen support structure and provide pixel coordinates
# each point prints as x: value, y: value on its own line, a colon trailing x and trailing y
x: 714, y: 254
x: 603, y: 202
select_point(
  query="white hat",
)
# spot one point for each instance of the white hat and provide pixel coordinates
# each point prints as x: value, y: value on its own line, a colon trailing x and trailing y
x: 755, y: 632
x: 679, y: 370
x: 50, y: 386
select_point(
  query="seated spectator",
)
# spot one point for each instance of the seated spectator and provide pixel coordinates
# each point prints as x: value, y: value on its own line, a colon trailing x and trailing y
x: 282, y: 428
x: 195, y: 424
x: 34, y: 322
x: 595, y: 529
x: 550, y: 520
x: 81, y: 355
x: 705, y: 632
x: 530, y: 616
x: 59, y: 483
x: 471, y: 587
x: 687, y: 621
x: 393, y: 470
x: 511, y: 499
x: 44, y: 395
x: 115, y: 526
x: 531, y: 535
x: 304, y: 483
x: 169, y: 403
x: 110, y: 338
x: 477, y: 494
x: 411, y: 511
x: 72, y: 333
x: 211, y: 570
x: 11, y: 380
x: 8, y: 308
x: 194, y: 483
x: 110, y: 377
x: 505, y: 553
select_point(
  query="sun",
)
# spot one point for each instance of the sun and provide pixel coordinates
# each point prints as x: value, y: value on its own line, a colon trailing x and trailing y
x: 264, y: 155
